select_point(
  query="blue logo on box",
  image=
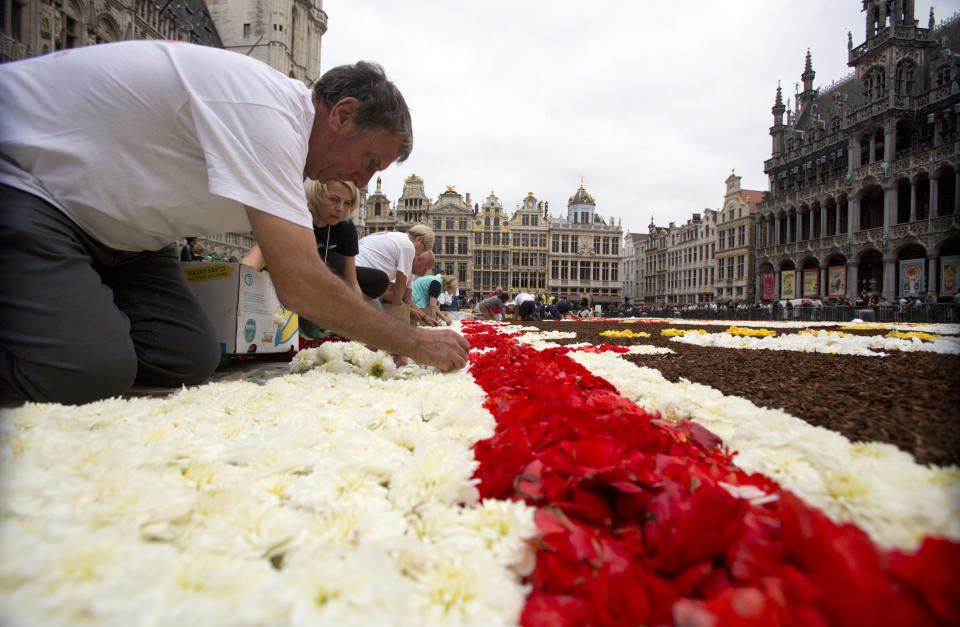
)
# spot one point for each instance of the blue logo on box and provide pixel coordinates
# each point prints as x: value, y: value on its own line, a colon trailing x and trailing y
x: 250, y: 330
x: 248, y: 279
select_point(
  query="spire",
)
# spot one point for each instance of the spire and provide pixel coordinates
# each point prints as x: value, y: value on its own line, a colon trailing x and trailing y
x: 778, y: 107
x: 808, y: 74
x: 378, y: 184
x: 931, y: 22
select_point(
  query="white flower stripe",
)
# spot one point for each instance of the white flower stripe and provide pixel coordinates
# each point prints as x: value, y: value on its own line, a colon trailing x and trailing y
x: 326, y: 497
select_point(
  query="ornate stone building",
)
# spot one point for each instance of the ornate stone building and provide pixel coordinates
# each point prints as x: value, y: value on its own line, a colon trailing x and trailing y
x: 736, y: 243
x: 863, y: 176
x: 679, y: 261
x: 284, y: 34
x: 529, y: 234
x: 33, y: 27
x: 634, y: 267
x: 491, y: 249
x: 451, y: 220
x: 486, y: 248
x: 584, y: 253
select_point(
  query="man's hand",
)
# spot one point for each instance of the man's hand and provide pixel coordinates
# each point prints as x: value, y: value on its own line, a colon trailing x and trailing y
x: 442, y: 348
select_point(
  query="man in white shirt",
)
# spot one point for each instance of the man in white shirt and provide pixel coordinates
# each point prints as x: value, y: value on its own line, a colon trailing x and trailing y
x: 526, y: 305
x: 110, y: 153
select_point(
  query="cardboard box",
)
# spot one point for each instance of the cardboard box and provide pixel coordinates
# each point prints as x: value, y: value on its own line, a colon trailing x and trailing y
x: 243, y: 307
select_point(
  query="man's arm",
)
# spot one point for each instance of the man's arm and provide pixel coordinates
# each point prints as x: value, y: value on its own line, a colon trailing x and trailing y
x: 305, y: 285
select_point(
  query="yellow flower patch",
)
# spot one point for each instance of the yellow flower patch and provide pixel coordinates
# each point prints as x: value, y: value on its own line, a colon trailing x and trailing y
x: 677, y: 332
x: 815, y: 332
x: 906, y: 335
x: 626, y: 333
x: 867, y: 327
x: 750, y: 331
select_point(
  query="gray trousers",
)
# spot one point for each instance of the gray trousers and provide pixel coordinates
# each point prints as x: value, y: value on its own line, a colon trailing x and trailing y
x: 80, y: 321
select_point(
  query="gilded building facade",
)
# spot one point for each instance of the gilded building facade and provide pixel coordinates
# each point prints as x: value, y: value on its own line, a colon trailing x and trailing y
x: 527, y: 250
x: 585, y: 253
x: 451, y: 219
x: 529, y: 236
x: 863, y: 175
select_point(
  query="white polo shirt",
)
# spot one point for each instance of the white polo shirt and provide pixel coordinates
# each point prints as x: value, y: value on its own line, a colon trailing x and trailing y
x: 143, y: 142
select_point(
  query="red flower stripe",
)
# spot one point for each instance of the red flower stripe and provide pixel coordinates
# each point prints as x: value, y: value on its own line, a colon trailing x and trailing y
x: 638, y: 524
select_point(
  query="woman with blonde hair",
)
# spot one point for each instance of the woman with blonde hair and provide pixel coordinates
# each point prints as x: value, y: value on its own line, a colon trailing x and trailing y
x: 426, y: 293
x: 332, y: 205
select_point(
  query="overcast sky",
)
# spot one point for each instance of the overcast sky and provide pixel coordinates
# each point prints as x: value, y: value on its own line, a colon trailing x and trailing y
x: 651, y: 102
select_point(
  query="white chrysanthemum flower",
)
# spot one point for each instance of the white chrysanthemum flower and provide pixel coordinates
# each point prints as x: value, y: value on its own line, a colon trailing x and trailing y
x: 440, y: 471
x: 467, y: 590
x: 360, y: 587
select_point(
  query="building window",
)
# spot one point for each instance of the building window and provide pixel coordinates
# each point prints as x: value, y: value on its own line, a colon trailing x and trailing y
x: 246, y: 31
x: 741, y: 234
x: 739, y: 266
x: 462, y: 245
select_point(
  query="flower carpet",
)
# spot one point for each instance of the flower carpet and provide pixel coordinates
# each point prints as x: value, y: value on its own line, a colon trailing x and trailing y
x: 547, y: 484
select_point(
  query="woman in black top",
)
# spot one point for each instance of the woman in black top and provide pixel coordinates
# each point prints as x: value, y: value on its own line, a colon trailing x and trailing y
x: 331, y: 205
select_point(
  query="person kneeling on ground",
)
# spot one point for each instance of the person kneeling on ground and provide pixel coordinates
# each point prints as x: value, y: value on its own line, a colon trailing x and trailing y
x: 526, y: 304
x: 485, y: 307
x: 427, y: 291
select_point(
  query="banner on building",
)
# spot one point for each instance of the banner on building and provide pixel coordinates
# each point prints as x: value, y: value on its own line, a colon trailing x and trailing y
x: 768, y: 285
x: 788, y: 284
x: 911, y: 277
x: 949, y: 275
x: 837, y: 281
x: 811, y: 283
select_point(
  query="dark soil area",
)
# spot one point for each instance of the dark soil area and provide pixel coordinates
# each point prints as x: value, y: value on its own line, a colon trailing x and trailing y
x: 910, y: 400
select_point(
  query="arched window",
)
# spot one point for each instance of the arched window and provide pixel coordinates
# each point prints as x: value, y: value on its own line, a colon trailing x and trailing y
x: 943, y: 75
x: 905, y: 77
x: 879, y: 83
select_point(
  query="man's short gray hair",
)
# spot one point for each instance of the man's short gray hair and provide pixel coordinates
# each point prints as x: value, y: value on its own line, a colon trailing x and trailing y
x: 381, y: 108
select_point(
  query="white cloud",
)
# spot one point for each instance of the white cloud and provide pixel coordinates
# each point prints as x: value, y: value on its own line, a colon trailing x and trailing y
x: 652, y: 103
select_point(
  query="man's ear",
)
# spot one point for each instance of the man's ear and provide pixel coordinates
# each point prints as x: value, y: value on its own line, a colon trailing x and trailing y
x: 342, y: 113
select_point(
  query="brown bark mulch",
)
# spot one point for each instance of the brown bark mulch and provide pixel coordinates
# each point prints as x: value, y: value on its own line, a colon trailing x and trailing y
x: 910, y: 400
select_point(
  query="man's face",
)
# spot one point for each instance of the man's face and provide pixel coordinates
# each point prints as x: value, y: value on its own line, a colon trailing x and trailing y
x: 337, y: 152
x: 422, y: 262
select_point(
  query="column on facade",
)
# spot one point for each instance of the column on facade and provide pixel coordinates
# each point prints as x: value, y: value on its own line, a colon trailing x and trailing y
x: 956, y: 191
x: 851, y: 279
x: 932, y: 285
x: 889, y: 205
x: 934, y: 200
x: 853, y: 214
x: 889, y: 278
x: 890, y: 142
x: 776, y: 229
x: 823, y: 220
x: 791, y: 218
x: 823, y: 280
x: 913, y: 201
